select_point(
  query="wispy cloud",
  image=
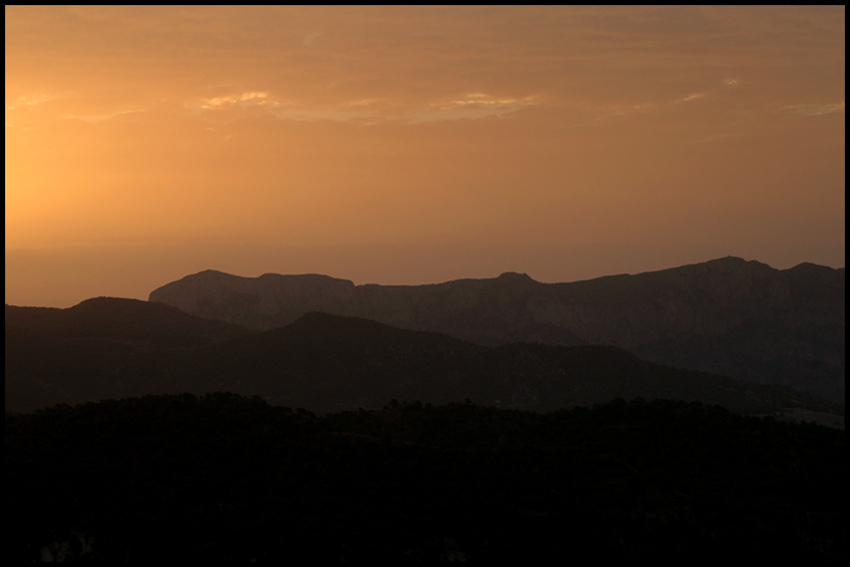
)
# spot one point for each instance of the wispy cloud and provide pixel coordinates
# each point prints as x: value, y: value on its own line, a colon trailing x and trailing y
x: 95, y: 118
x: 690, y: 97
x: 244, y: 100
x: 472, y: 106
x: 25, y: 101
x: 814, y: 109
x: 372, y: 110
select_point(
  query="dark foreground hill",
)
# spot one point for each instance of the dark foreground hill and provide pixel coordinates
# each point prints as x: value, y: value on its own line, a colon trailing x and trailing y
x: 102, y: 348
x: 328, y: 363
x: 729, y: 316
x: 119, y: 319
x: 224, y: 477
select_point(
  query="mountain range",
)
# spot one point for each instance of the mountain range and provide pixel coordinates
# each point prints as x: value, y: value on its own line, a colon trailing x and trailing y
x: 116, y: 348
x: 729, y: 316
x: 423, y: 451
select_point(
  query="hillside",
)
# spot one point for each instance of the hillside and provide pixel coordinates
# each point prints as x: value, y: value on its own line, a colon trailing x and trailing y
x: 729, y: 316
x: 329, y: 363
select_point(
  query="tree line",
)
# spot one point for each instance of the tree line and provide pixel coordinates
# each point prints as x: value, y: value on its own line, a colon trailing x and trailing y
x: 222, y: 476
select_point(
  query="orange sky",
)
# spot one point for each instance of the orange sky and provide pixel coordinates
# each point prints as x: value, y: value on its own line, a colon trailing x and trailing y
x: 415, y: 145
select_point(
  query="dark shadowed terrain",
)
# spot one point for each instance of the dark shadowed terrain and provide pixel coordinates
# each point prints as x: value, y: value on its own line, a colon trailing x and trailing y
x: 730, y: 317
x: 493, y: 420
x: 223, y: 477
x: 115, y: 348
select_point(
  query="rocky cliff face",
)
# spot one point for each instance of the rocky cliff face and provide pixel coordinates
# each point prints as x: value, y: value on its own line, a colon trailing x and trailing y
x: 727, y: 316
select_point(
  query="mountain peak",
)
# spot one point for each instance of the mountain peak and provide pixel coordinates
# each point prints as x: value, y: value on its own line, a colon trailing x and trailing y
x: 515, y: 277
x: 735, y: 263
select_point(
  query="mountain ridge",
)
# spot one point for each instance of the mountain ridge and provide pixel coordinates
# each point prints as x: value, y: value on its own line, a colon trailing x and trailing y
x: 728, y: 316
x: 328, y: 363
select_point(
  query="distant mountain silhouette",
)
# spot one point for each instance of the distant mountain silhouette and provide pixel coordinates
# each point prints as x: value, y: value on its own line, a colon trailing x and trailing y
x: 101, y: 348
x: 121, y: 319
x: 728, y: 316
x: 328, y: 363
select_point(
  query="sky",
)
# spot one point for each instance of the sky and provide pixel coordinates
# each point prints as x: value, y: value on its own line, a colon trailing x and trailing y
x: 411, y: 145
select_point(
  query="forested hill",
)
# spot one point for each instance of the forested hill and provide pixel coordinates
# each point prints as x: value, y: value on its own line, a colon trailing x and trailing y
x: 116, y: 348
x: 223, y: 477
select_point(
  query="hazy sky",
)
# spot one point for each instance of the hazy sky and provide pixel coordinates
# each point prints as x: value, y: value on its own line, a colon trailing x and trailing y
x: 415, y: 145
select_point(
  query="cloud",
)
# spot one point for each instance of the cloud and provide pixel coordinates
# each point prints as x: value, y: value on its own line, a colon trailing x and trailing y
x: 95, y: 118
x: 814, y: 109
x: 25, y: 101
x: 690, y: 97
x: 372, y: 110
x: 484, y: 100
x: 367, y: 102
x: 471, y: 106
x: 244, y: 100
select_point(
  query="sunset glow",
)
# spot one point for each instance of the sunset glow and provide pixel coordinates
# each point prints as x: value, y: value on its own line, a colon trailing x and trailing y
x: 401, y: 145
